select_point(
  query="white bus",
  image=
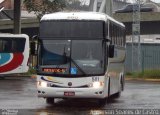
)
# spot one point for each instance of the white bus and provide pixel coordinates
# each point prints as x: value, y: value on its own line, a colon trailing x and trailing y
x: 80, y: 55
x: 14, y: 53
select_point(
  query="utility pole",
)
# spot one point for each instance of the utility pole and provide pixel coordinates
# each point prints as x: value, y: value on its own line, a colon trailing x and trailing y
x: 17, y: 17
x: 136, y: 44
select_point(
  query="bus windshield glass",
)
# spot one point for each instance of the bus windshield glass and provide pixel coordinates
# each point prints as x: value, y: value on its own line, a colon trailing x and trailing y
x: 72, y: 57
x: 72, y: 29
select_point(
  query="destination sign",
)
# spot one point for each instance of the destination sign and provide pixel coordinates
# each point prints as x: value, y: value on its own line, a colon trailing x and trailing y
x: 54, y: 70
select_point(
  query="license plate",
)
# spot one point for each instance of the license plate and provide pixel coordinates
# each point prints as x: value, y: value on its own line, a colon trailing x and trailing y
x: 69, y: 93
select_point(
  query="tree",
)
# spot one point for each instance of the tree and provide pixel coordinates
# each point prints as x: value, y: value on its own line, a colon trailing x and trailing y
x: 76, y: 5
x: 41, y: 7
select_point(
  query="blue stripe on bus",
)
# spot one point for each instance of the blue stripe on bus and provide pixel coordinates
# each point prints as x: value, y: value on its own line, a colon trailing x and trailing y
x: 4, y: 58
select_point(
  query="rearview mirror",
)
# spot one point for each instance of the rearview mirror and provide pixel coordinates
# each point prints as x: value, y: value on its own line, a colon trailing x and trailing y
x: 111, y: 51
x: 33, y: 48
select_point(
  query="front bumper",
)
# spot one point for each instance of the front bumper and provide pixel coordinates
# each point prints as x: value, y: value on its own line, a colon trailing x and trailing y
x: 76, y: 92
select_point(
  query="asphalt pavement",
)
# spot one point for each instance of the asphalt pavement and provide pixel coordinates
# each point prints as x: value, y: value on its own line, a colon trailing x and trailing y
x: 19, y: 94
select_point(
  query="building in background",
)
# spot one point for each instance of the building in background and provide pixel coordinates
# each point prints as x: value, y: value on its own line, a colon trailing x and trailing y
x: 7, y: 4
x: 118, y: 4
x: 155, y: 6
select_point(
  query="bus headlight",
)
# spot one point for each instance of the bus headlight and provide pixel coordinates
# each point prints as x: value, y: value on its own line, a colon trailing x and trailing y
x: 42, y: 83
x: 97, y: 84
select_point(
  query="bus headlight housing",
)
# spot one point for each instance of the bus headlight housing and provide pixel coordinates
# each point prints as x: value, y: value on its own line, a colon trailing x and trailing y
x: 42, y: 83
x: 97, y: 84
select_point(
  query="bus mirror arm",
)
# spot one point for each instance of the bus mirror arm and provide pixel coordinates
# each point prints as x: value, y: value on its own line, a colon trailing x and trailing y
x: 33, y: 48
x: 35, y: 37
x: 33, y: 45
x: 111, y: 51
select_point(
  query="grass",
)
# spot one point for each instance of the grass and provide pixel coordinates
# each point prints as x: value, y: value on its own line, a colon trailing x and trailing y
x: 152, y: 74
x: 30, y: 72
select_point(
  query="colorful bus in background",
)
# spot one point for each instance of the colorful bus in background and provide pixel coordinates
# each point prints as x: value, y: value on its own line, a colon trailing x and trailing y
x: 14, y: 53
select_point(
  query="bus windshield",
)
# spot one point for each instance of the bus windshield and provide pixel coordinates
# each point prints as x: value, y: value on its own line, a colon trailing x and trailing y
x: 72, y: 57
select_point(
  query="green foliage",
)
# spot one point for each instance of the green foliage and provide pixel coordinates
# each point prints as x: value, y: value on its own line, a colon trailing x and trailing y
x: 41, y: 7
x: 31, y: 71
x: 76, y: 5
x: 154, y: 74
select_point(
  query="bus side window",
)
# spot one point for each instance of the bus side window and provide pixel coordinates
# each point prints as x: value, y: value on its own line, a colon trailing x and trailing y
x: 1, y: 46
x: 14, y: 46
x: 7, y: 45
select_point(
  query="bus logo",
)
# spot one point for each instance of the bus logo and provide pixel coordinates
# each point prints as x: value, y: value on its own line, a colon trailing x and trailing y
x: 69, y: 83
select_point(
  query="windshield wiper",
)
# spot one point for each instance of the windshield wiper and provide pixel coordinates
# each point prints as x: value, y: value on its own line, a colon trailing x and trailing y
x: 67, y: 57
x: 78, y: 66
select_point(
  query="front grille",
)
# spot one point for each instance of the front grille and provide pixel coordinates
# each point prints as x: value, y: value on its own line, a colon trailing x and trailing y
x: 57, y: 86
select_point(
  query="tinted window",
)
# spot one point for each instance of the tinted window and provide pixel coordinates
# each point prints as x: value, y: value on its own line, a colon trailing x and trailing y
x: 54, y: 52
x: 71, y: 29
x: 77, y: 57
x: 12, y: 45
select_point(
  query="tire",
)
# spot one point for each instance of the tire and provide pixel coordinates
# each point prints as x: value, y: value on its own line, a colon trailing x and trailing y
x: 50, y: 100
x: 102, y: 102
x: 122, y: 83
x: 117, y: 95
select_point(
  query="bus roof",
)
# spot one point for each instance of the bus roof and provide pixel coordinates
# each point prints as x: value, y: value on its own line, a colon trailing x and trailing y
x: 5, y: 35
x: 79, y: 16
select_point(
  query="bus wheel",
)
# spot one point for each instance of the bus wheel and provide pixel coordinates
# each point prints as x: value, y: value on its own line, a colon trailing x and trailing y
x: 102, y: 102
x: 122, y: 83
x: 117, y: 95
x: 50, y: 100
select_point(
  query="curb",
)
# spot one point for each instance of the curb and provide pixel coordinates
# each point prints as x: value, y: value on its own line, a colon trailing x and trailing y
x: 141, y: 79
